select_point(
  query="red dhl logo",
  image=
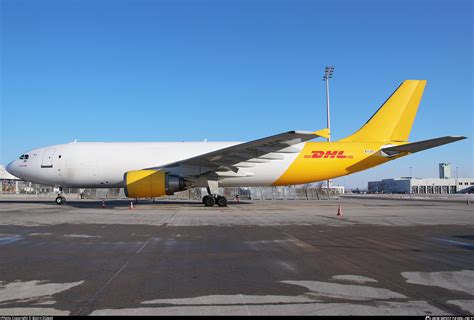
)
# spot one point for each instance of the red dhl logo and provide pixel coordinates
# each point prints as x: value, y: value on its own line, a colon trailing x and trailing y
x: 328, y: 154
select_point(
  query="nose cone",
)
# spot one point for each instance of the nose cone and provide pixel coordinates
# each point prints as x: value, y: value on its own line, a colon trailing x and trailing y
x: 12, y: 168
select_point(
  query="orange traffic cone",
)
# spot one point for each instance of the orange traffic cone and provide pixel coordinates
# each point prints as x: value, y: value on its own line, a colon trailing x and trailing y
x: 339, y: 211
x: 103, y: 204
x: 130, y: 207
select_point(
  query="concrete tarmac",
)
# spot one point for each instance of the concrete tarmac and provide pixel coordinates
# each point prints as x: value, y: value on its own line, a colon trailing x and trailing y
x: 381, y: 257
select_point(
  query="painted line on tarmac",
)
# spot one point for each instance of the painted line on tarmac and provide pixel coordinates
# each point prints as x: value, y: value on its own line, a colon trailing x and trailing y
x: 94, y: 297
x: 457, y: 243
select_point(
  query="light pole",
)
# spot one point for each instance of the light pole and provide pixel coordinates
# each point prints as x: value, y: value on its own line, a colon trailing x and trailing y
x: 328, y: 72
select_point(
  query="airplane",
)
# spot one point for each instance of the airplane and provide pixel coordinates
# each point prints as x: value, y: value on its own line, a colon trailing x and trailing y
x: 154, y: 169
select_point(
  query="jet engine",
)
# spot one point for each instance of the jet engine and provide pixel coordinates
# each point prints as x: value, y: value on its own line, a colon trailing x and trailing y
x: 151, y: 183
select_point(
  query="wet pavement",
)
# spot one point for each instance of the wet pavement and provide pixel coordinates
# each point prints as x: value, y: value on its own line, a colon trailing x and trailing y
x: 253, y: 258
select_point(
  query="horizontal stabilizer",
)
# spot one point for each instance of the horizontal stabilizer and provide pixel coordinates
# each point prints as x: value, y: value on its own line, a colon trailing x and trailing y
x: 420, y: 145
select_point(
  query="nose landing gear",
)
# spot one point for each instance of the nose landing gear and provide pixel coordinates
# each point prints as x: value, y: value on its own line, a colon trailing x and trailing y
x: 60, y: 199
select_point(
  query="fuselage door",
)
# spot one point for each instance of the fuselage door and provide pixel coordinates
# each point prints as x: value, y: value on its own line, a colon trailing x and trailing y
x: 47, y: 161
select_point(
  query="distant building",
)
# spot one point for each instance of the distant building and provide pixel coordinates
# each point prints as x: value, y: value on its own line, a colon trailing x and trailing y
x: 422, y: 185
x: 338, y: 189
x: 9, y: 183
x: 324, y: 186
x: 444, y: 170
x: 4, y: 175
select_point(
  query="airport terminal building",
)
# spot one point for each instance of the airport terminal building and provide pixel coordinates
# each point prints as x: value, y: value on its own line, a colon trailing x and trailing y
x: 445, y: 184
x: 422, y: 185
x: 9, y: 183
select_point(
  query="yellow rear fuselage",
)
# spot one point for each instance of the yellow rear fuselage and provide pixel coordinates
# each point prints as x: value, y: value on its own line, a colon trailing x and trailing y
x: 326, y: 160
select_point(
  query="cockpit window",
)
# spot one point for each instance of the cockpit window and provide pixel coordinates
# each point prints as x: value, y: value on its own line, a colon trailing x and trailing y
x: 24, y: 157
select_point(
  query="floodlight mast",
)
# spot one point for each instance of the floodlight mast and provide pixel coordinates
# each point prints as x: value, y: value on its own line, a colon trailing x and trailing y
x: 328, y: 73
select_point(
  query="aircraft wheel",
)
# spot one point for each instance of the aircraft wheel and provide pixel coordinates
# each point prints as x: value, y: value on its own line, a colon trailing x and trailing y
x: 221, y: 201
x: 208, y: 201
x: 60, y: 200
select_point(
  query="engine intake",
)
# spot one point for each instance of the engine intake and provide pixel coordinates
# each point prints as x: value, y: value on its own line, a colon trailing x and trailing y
x: 151, y: 183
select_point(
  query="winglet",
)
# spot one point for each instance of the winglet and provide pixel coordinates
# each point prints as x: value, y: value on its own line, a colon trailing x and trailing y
x: 324, y: 133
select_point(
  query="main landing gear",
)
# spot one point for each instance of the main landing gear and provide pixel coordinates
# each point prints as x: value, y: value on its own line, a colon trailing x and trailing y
x: 211, y: 200
x: 212, y: 197
x: 60, y: 198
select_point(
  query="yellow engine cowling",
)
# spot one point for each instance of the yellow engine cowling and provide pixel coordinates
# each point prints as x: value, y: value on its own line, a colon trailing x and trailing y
x: 151, y: 183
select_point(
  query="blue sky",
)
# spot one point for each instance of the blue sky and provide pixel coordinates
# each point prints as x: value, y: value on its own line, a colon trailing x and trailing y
x: 116, y: 70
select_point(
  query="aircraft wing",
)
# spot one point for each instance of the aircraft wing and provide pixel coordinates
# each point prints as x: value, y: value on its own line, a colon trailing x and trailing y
x: 245, y: 154
x: 420, y: 145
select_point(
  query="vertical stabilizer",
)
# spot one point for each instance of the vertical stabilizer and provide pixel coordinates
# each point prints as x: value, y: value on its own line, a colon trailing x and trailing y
x: 394, y: 119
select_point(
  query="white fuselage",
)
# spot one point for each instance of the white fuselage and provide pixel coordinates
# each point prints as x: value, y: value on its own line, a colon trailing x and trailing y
x: 103, y: 164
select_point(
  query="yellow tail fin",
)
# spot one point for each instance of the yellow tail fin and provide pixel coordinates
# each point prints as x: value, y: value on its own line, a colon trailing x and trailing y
x: 394, y: 119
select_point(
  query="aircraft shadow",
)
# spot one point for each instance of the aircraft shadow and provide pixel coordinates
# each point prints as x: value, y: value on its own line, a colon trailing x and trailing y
x: 117, y: 203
